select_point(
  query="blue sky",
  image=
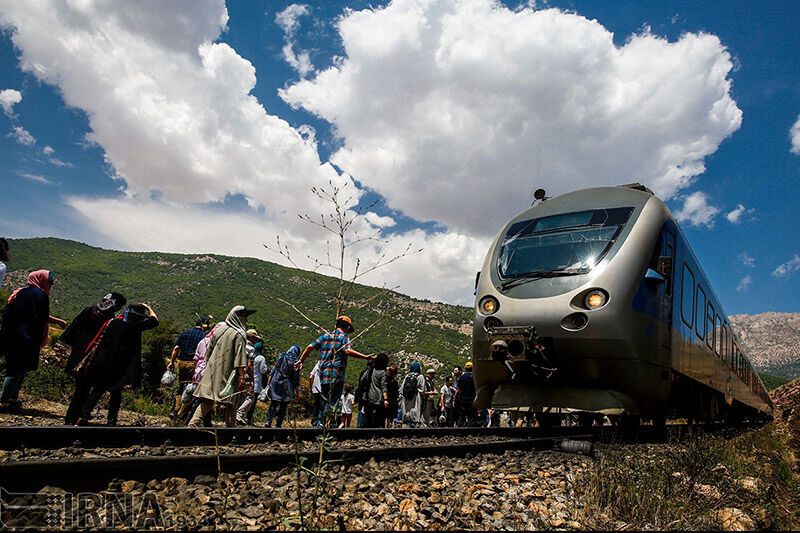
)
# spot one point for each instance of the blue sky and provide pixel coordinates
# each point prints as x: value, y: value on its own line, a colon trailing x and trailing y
x: 201, y: 126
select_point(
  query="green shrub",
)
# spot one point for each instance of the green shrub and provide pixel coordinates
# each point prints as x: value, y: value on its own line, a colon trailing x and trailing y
x: 49, y: 382
x: 156, y: 347
x: 145, y: 405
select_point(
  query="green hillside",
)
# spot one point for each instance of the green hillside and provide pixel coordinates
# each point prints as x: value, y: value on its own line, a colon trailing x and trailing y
x: 772, y: 382
x: 178, y: 286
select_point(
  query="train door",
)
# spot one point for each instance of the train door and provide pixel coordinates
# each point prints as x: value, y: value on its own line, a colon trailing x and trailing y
x: 666, y: 261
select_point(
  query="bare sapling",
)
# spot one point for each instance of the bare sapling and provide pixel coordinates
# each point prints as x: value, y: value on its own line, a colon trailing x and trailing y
x: 334, y: 276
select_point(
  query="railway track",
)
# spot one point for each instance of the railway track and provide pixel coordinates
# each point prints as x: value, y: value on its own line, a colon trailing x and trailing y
x: 95, y: 473
x: 42, y: 437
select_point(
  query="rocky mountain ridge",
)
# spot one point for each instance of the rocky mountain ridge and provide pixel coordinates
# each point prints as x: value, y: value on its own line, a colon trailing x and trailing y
x: 771, y: 341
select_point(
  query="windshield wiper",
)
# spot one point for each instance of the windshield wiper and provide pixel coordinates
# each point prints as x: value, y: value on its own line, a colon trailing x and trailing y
x: 539, y: 274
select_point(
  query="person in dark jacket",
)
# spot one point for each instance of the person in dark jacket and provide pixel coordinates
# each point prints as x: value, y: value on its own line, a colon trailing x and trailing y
x: 82, y: 331
x: 26, y: 322
x: 393, y: 396
x: 116, y: 361
x: 464, y: 396
x: 377, y: 394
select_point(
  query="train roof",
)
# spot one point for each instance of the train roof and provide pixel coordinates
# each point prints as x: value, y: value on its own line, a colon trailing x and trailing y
x: 632, y: 195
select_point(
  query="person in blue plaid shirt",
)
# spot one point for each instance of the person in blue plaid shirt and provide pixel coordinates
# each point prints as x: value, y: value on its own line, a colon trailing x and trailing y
x: 335, y: 349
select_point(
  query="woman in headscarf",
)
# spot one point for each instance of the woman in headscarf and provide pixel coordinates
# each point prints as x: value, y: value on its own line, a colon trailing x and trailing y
x: 199, y: 369
x: 284, y: 384
x: 114, y: 360
x: 226, y: 362
x: 411, y: 391
x: 26, y: 321
x: 78, y: 335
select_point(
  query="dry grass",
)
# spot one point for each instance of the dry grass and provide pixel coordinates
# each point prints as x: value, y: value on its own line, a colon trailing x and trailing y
x: 748, y: 480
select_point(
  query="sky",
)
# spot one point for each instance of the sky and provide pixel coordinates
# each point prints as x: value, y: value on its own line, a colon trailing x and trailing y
x: 200, y: 126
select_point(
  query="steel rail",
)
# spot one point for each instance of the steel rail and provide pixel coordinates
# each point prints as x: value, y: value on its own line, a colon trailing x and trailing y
x: 49, y: 437
x: 96, y: 474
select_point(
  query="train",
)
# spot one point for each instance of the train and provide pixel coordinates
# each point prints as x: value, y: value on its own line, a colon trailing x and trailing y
x: 592, y: 302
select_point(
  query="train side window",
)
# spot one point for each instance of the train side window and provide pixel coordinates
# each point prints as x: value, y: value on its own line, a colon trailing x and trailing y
x: 717, y: 336
x: 700, y: 307
x: 666, y: 269
x: 723, y: 341
x: 728, y: 342
x: 687, y: 296
x: 710, y: 326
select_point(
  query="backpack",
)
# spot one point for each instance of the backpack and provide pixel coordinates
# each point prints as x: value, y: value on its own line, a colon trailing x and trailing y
x: 364, y: 382
x: 410, y: 385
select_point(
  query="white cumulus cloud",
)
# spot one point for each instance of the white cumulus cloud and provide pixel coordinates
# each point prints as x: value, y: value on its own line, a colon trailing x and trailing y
x: 747, y: 260
x: 735, y: 216
x: 8, y: 99
x: 36, y: 177
x: 744, y: 284
x: 289, y: 21
x: 451, y: 108
x: 379, y: 221
x: 22, y: 136
x: 170, y: 106
x: 794, y: 135
x: 697, y: 211
x: 792, y: 265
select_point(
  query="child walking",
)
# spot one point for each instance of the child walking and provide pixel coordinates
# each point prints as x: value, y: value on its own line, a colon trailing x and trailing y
x: 347, y: 405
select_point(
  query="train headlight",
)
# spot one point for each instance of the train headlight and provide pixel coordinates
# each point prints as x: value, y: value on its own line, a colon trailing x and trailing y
x: 489, y: 305
x: 595, y: 300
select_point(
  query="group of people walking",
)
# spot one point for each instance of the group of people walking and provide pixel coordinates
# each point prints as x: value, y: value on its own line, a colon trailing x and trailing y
x: 222, y: 364
x: 415, y: 400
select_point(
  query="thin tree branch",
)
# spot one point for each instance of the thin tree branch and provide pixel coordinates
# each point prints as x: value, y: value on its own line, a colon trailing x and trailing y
x: 299, y: 312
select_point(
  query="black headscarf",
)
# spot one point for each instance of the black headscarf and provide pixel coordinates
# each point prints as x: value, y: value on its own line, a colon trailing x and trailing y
x: 109, y: 305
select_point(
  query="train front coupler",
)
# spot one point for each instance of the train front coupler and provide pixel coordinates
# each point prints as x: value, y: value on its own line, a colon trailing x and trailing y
x: 519, y: 349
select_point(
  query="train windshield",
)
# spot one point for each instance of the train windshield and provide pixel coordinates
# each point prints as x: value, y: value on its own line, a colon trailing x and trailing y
x: 571, y: 243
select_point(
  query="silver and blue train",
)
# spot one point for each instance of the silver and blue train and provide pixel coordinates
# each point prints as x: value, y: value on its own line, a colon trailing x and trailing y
x: 593, y: 302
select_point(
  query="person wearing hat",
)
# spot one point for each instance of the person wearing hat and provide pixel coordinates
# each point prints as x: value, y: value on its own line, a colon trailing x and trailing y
x: 226, y: 367
x: 183, y: 352
x: 335, y: 349
x: 465, y: 395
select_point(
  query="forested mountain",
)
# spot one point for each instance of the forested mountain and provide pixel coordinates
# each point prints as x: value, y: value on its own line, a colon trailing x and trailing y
x: 177, y: 286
